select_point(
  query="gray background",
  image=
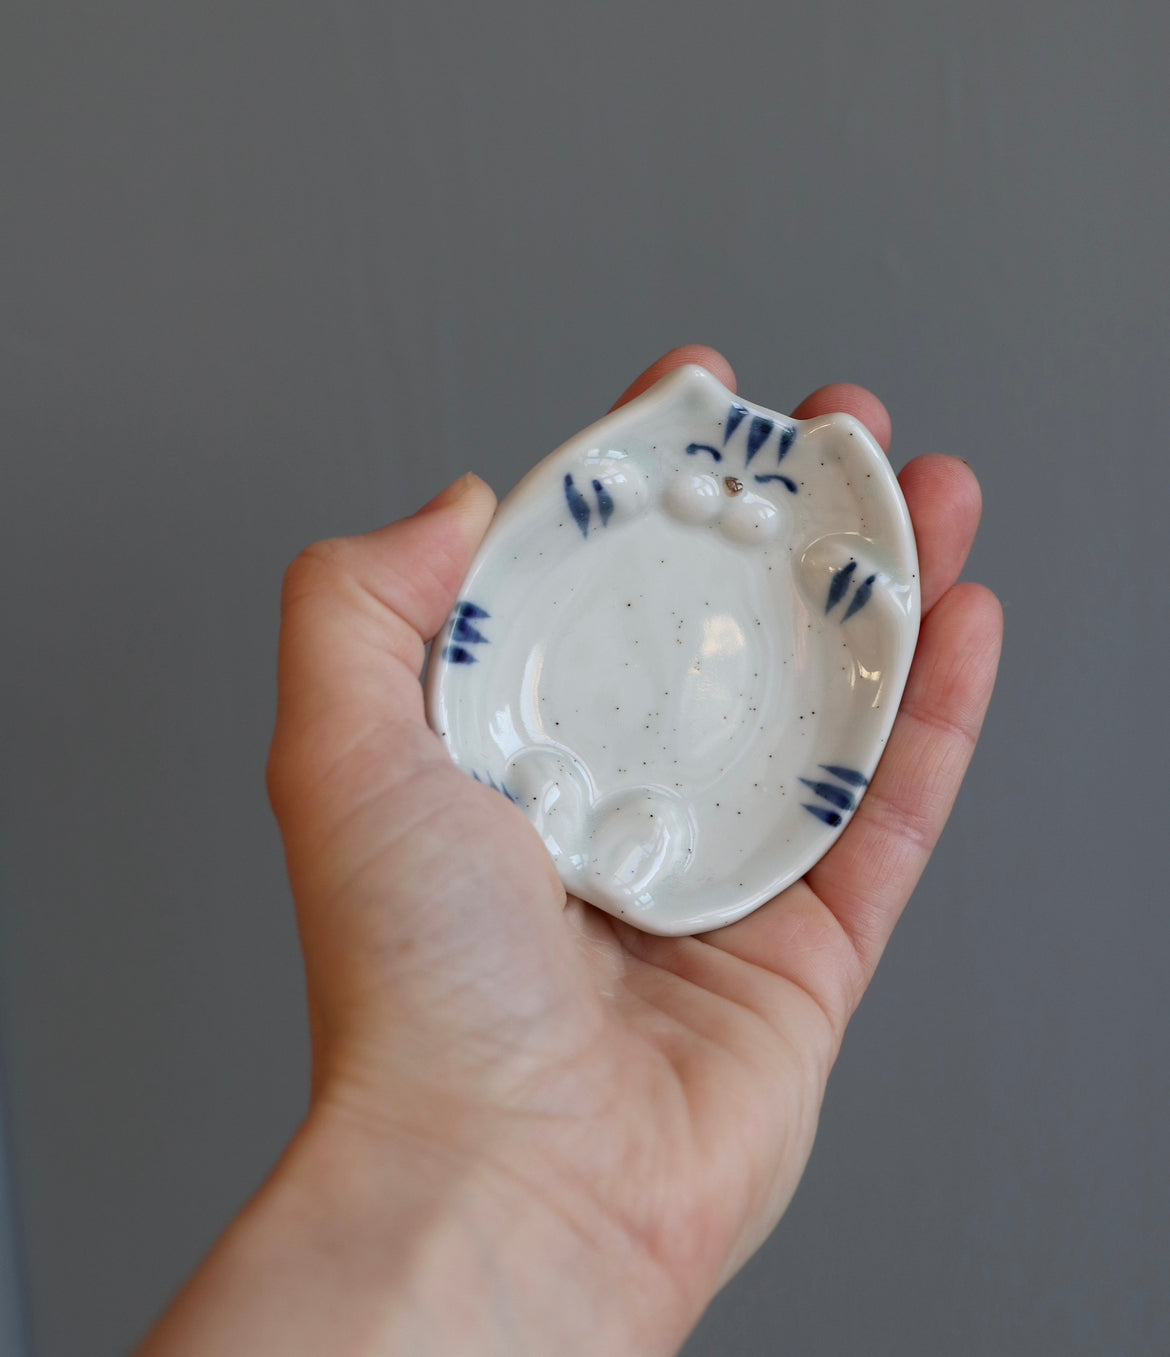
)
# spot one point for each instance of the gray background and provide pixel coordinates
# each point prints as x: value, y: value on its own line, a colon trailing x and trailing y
x: 272, y: 270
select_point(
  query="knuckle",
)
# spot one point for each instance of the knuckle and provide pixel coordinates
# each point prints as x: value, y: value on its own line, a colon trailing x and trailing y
x: 318, y: 568
x: 909, y: 823
x: 274, y: 781
x: 281, y: 773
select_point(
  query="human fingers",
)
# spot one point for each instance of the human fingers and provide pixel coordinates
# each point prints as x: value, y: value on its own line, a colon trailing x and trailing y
x: 796, y: 936
x: 825, y: 934
x: 903, y: 812
x: 945, y: 505
x: 868, y: 875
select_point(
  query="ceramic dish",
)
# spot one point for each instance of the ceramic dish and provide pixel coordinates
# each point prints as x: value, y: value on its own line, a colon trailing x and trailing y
x: 681, y: 648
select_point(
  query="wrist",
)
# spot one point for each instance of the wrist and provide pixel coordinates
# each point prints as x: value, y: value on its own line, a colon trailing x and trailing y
x: 462, y: 1252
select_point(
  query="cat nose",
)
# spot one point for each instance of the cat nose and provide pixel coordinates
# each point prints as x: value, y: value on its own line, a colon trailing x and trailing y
x: 732, y: 485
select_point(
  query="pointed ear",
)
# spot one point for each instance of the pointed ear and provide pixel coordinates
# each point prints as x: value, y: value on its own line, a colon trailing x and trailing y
x: 846, y: 399
x: 698, y: 354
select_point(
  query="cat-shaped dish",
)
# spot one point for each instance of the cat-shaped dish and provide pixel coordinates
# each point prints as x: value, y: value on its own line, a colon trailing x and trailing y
x: 681, y: 648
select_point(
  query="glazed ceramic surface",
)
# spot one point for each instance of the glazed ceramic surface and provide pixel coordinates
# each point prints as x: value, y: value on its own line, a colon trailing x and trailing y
x: 681, y: 648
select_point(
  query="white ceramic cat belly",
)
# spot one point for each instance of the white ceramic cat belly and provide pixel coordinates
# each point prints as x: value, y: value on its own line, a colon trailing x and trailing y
x: 681, y: 648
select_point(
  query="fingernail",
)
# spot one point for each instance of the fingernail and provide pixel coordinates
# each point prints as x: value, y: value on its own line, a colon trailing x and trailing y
x: 452, y: 495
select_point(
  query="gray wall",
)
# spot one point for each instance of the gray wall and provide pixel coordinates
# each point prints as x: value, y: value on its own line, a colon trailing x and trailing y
x: 271, y: 271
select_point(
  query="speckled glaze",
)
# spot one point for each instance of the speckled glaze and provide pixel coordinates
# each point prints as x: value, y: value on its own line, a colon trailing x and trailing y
x: 681, y: 648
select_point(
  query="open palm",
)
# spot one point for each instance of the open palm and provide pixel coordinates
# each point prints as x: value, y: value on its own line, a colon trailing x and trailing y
x: 656, y: 1097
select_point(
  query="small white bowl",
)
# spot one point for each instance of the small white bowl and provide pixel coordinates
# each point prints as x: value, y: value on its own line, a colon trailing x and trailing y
x: 681, y: 648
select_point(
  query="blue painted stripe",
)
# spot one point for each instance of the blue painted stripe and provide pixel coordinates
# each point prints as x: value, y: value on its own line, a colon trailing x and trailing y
x: 830, y: 792
x: 578, y: 505
x: 849, y: 775
x: 830, y: 817
x: 735, y: 417
x: 463, y: 630
x: 838, y: 584
x: 787, y: 438
x: 604, y: 502
x: 860, y: 599
x: 758, y: 434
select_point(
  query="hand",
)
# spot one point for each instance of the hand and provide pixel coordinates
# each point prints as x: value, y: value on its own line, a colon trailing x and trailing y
x: 533, y: 1126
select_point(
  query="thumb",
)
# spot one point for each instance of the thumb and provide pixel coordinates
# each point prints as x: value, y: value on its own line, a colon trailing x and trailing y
x: 356, y: 614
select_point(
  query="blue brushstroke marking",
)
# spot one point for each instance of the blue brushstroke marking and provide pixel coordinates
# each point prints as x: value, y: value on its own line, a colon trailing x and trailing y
x: 860, y: 599
x: 463, y: 630
x: 578, y: 505
x: 758, y: 434
x: 843, y: 774
x: 488, y: 781
x: 838, y: 584
x: 787, y: 438
x: 838, y: 797
x: 830, y: 792
x: 693, y: 448
x: 830, y: 817
x: 735, y: 417
x: 604, y: 502
x: 788, y: 484
x: 465, y: 633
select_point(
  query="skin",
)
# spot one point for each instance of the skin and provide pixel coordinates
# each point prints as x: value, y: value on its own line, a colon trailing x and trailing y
x: 533, y: 1128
